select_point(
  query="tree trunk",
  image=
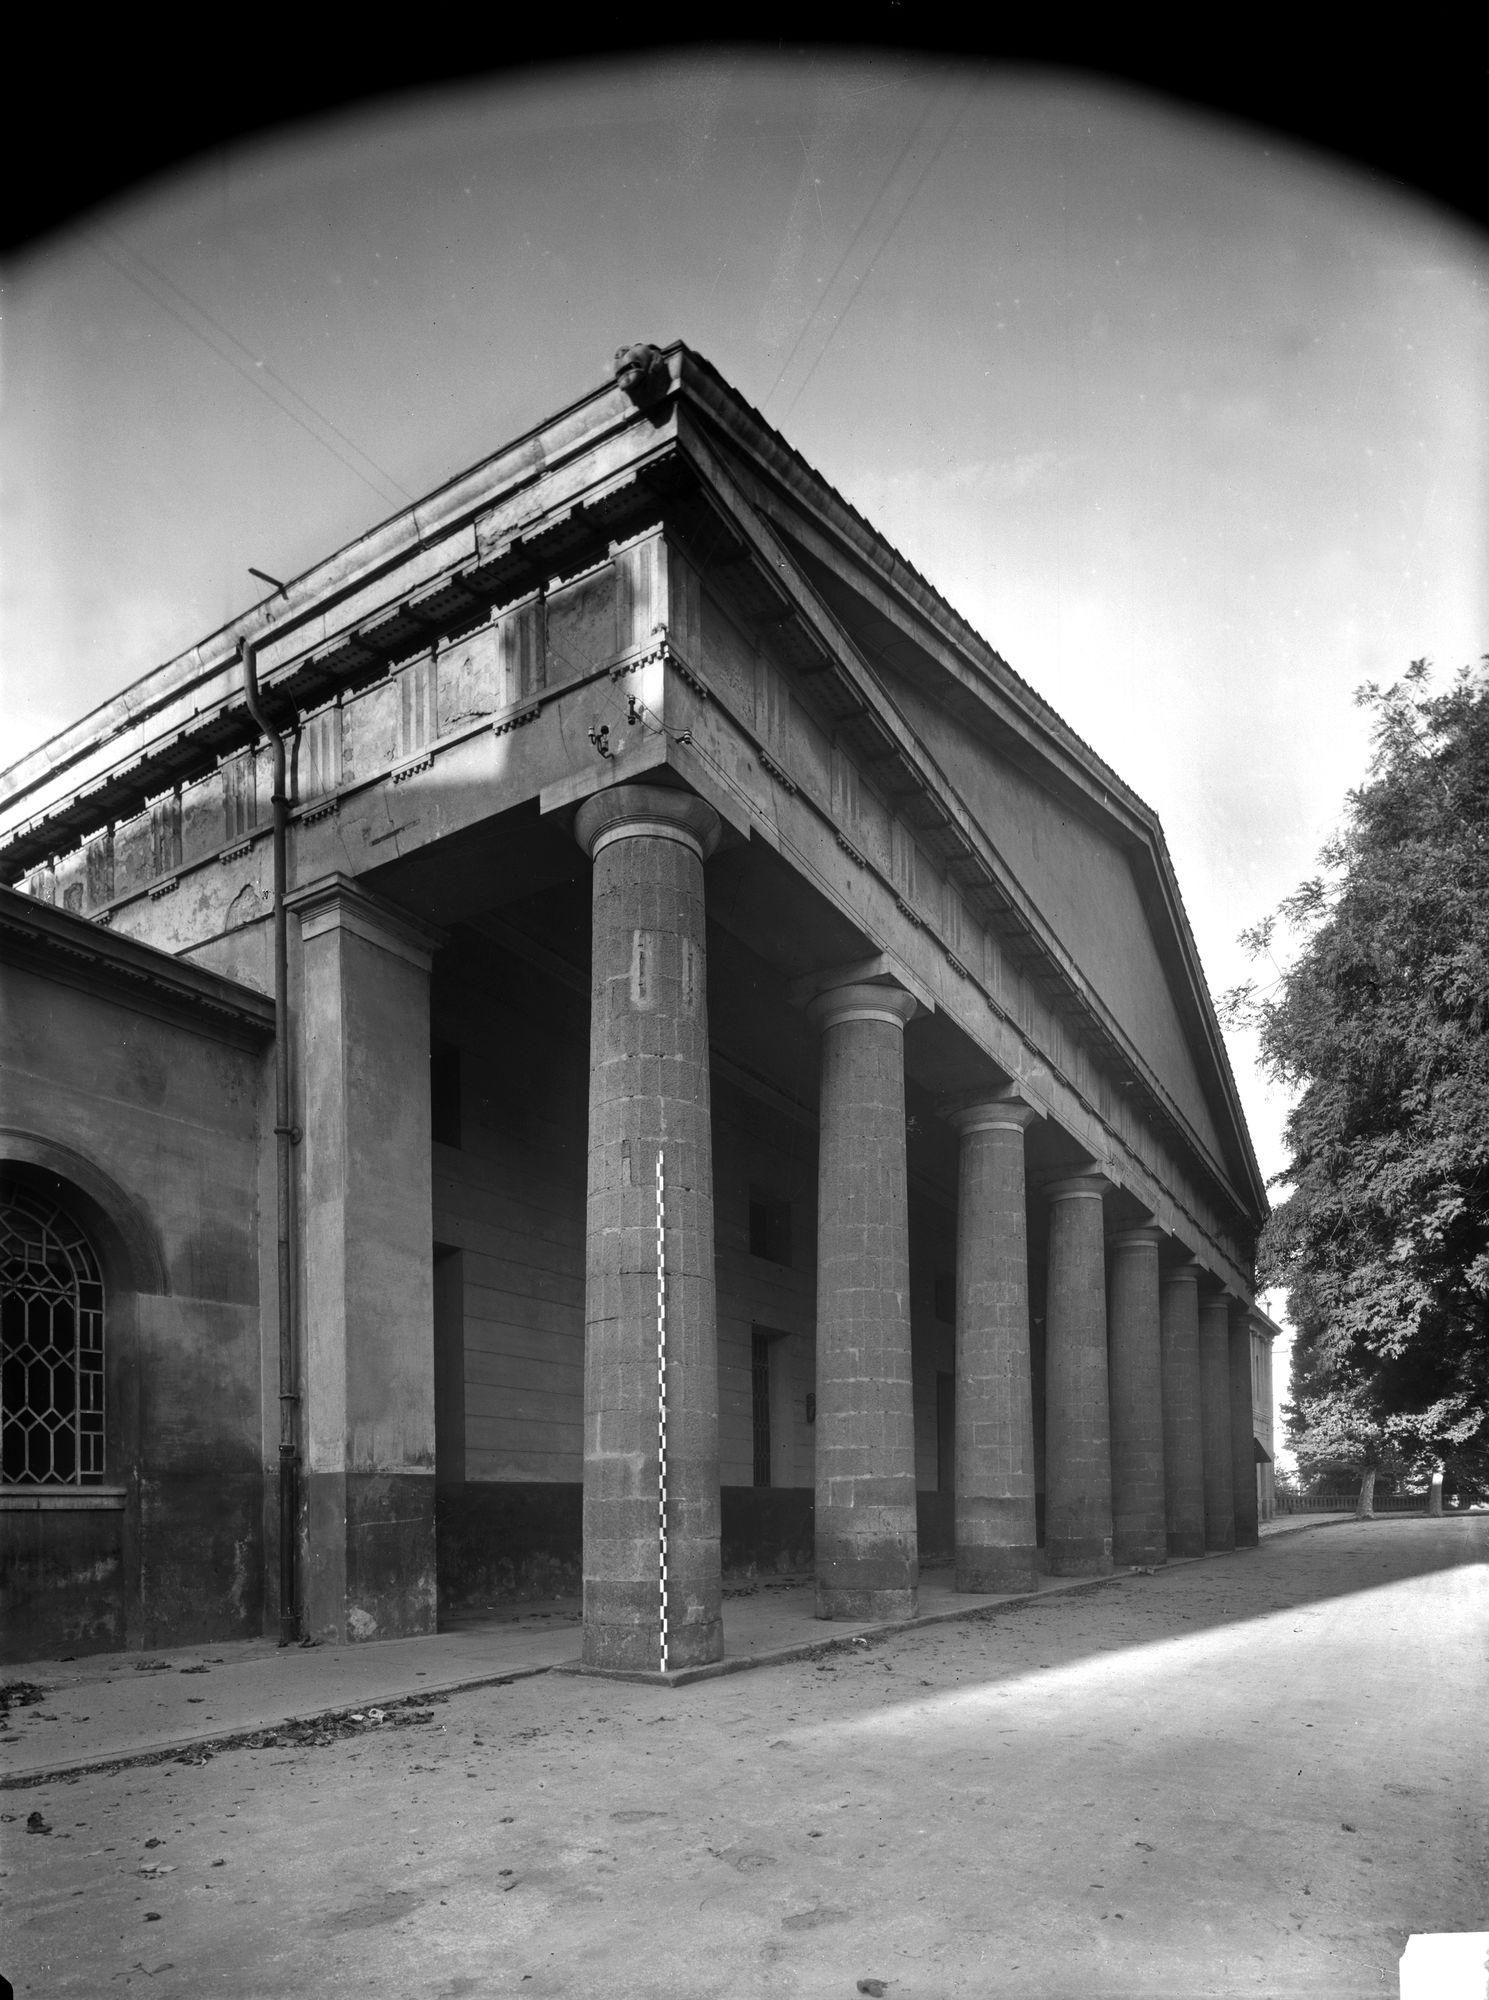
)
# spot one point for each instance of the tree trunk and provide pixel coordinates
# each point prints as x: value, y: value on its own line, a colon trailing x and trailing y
x: 1365, y: 1510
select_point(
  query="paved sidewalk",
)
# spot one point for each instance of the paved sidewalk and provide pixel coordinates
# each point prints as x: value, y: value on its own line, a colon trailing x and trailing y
x: 117, y: 1708
x: 1252, y: 1776
x: 1290, y: 1524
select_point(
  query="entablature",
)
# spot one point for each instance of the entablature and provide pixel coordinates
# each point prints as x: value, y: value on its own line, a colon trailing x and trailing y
x: 525, y: 634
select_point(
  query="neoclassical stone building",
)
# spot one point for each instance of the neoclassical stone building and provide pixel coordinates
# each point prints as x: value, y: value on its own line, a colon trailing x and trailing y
x: 602, y: 1031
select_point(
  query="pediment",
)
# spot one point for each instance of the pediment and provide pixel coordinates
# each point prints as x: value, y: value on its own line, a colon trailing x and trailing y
x: 973, y: 801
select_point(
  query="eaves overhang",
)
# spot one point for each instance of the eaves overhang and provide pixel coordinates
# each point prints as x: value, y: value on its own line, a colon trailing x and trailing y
x: 56, y: 944
x: 482, y: 539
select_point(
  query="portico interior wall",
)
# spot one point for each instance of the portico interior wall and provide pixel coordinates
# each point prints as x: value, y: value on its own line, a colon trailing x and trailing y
x: 174, y: 1118
x: 933, y: 1357
x: 510, y: 1198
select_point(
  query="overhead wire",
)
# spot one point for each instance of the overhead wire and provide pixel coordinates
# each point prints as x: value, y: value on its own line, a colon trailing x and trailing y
x: 869, y: 213
x: 253, y: 374
x: 883, y: 246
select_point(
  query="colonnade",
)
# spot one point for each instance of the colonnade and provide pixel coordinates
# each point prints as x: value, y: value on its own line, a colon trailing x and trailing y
x: 1148, y: 1428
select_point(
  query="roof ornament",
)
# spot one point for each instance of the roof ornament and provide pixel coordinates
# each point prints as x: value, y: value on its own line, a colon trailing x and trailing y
x: 642, y: 373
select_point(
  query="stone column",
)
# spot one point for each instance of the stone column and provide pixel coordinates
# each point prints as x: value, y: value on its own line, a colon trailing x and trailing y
x: 649, y: 1095
x: 1243, y: 1428
x: 995, y: 1537
x: 1214, y: 1398
x: 1078, y: 1462
x: 867, y: 1556
x: 367, y: 1363
x: 1139, y: 1529
x: 1183, y: 1445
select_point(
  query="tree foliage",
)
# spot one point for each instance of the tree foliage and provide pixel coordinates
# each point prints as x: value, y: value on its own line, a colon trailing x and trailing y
x: 1380, y: 1025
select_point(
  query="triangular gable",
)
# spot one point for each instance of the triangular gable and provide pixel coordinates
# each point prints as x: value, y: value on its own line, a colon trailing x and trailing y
x: 1092, y: 893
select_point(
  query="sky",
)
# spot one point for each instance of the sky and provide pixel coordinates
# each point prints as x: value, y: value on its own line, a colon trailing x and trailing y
x: 1189, y: 421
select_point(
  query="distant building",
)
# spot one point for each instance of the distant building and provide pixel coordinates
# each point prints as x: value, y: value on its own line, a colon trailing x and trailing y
x: 753, y: 1099
x: 1263, y: 1406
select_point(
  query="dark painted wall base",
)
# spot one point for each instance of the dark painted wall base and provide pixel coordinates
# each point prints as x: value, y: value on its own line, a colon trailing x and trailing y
x: 185, y: 1566
x: 500, y: 1540
x: 371, y: 1567
x: 201, y: 1558
x: 935, y: 1526
x: 766, y: 1529
x: 61, y: 1584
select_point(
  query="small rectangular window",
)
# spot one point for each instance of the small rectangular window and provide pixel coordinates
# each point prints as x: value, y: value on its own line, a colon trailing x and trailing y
x: 444, y: 1094
x: 770, y: 1227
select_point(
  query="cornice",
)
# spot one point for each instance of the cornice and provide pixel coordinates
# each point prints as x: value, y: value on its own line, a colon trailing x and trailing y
x: 480, y: 541
x: 55, y: 944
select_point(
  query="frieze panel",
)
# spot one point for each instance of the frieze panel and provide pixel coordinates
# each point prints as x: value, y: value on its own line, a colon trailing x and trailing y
x: 132, y: 855
x: 773, y: 717
x: 239, y: 796
x: 201, y: 818
x: 638, y: 605
x: 728, y: 659
x: 69, y: 883
x: 907, y: 864
x: 98, y: 861
x: 369, y: 735
x: 581, y: 625
x: 165, y: 834
x: 469, y: 680
x: 415, y: 707
x: 523, y: 663
x: 683, y: 613
x: 318, y: 753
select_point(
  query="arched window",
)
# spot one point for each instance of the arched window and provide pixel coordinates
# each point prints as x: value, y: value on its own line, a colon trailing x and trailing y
x: 51, y: 1345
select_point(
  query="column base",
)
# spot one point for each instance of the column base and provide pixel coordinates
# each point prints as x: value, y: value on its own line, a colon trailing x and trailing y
x: 1247, y: 1538
x: 880, y: 1607
x: 1220, y: 1545
x: 1079, y: 1558
x: 1184, y: 1542
x: 637, y: 1649
x: 1012, y: 1571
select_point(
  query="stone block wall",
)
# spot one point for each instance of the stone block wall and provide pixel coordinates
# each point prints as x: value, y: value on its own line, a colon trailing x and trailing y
x: 149, y: 1133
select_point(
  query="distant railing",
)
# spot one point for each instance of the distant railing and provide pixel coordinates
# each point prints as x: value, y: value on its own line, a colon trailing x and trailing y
x: 1346, y: 1503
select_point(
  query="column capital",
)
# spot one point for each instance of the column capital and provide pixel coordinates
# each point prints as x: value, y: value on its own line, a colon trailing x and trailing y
x: 628, y: 812
x: 861, y: 1001
x: 336, y: 902
x: 1189, y: 1272
x: 1003, y: 1109
x: 1137, y: 1237
x: 1076, y: 1187
x: 883, y: 968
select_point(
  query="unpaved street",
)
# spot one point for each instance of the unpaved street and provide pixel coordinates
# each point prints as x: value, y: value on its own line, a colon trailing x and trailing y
x: 1251, y: 1775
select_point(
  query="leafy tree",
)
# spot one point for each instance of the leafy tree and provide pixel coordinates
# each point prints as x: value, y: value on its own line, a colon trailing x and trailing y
x: 1380, y: 1024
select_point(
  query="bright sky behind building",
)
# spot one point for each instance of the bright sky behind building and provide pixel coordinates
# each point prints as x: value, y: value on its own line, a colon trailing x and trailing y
x: 1189, y: 422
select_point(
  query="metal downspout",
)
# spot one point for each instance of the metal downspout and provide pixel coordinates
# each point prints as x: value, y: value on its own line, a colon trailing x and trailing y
x: 285, y: 1135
